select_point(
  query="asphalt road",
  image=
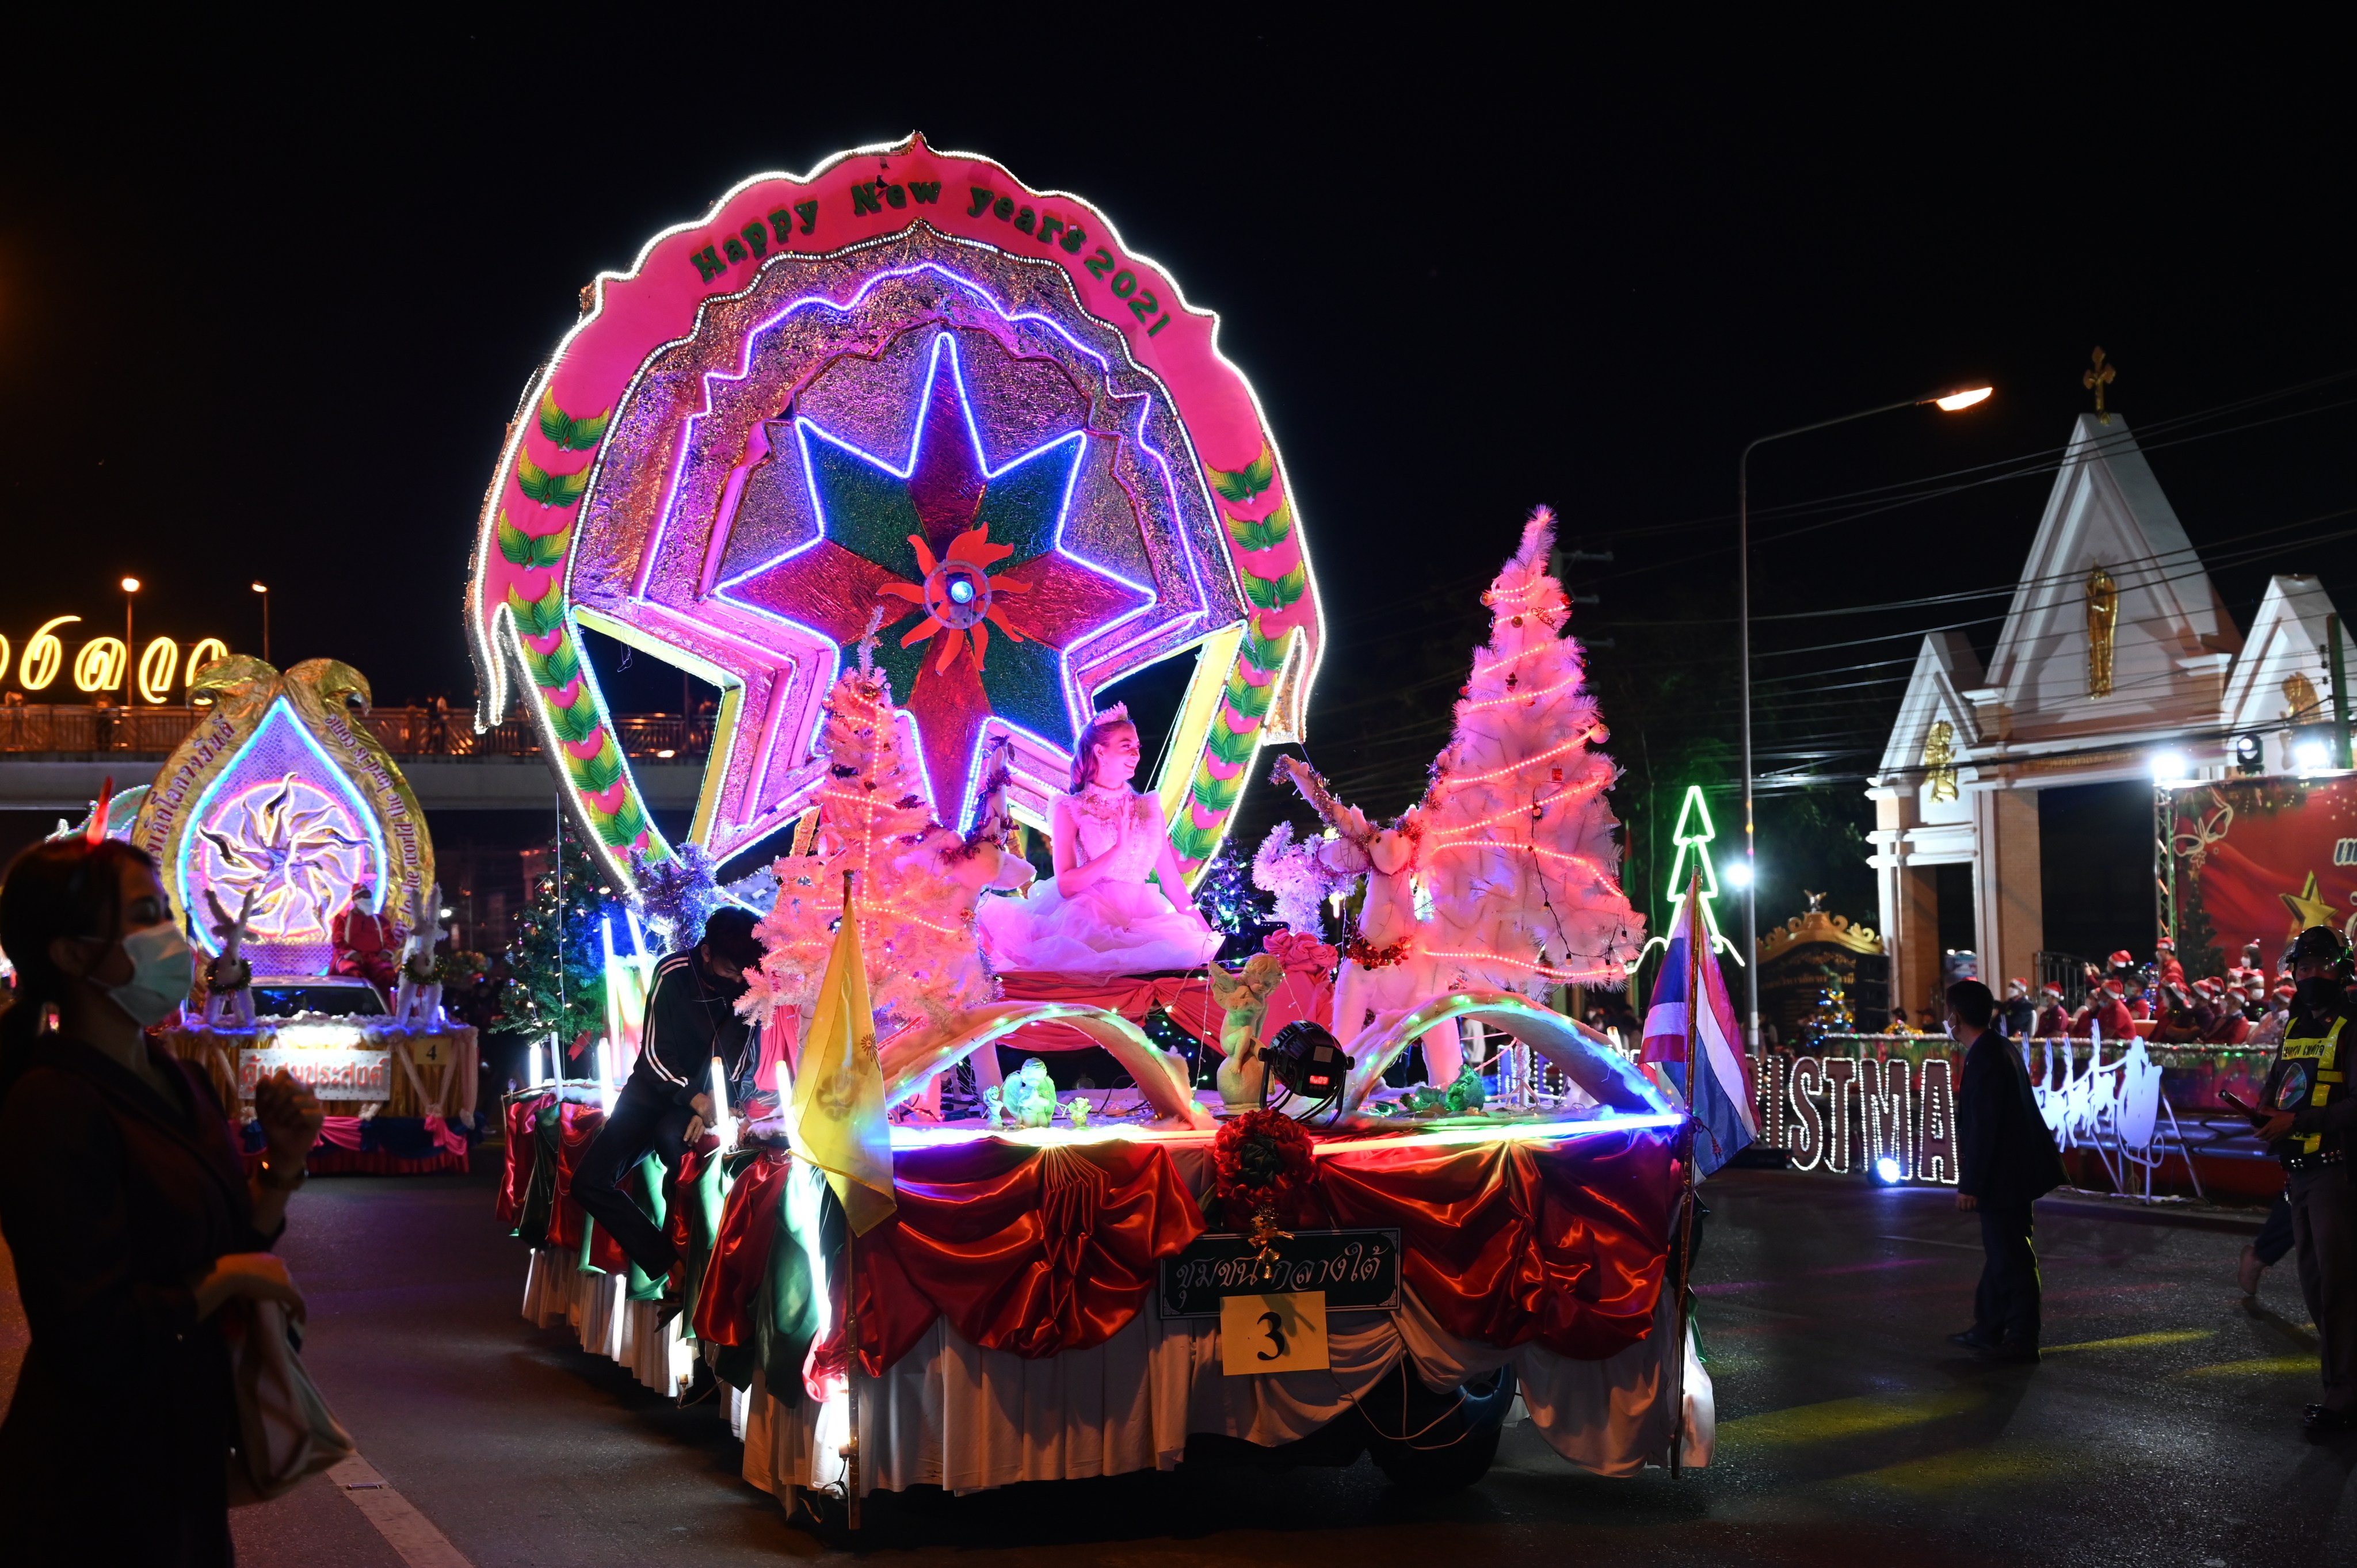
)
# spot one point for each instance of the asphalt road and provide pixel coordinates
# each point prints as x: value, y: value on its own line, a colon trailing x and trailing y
x: 2161, y: 1428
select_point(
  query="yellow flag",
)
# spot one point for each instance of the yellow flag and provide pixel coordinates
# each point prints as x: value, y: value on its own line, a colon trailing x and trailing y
x: 838, y: 1120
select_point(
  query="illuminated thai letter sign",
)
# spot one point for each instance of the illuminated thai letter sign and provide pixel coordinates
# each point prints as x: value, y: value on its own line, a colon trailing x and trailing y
x: 904, y: 382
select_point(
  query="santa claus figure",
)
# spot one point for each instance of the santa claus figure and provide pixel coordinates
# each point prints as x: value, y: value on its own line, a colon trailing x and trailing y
x: 366, y: 944
x: 2166, y: 969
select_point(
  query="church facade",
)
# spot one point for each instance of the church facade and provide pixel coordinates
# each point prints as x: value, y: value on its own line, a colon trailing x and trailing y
x: 2116, y: 650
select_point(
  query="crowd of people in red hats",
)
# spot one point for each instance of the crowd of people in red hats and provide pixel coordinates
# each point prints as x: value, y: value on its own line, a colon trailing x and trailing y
x: 2241, y: 1009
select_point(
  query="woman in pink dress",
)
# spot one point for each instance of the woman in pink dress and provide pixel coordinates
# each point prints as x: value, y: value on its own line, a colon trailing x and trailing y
x: 1099, y: 915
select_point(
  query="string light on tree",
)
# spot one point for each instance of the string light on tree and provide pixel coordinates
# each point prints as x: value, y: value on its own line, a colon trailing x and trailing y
x: 1517, y: 848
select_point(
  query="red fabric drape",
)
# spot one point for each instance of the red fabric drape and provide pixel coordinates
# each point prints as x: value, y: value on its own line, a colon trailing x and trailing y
x: 749, y: 1222
x: 1033, y: 1250
x: 1186, y: 998
x: 1509, y: 1242
x: 577, y: 1129
x: 524, y: 1148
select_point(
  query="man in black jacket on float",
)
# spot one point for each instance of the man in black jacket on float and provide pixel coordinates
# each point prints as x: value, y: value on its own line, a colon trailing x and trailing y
x: 2007, y: 1161
x: 666, y: 1104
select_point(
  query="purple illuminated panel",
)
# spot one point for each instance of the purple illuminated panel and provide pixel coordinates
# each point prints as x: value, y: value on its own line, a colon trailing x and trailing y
x: 281, y: 821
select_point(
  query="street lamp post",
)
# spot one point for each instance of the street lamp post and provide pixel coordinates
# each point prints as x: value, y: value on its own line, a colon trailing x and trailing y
x: 263, y: 589
x: 1949, y: 402
x: 129, y: 644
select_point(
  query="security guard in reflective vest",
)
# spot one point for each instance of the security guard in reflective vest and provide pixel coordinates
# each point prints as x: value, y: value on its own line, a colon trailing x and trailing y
x: 2309, y: 1117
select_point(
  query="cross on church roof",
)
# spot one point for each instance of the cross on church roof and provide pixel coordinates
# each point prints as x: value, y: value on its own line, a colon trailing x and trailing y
x: 2096, y: 379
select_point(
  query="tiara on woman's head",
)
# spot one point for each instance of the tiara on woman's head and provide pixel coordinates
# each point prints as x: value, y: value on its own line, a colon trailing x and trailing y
x: 1116, y: 714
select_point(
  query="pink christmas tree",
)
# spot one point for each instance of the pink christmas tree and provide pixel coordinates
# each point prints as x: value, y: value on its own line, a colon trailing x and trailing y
x: 1515, y: 844
x: 917, y: 881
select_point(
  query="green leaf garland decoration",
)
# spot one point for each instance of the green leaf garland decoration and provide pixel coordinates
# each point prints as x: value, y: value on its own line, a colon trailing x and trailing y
x: 621, y: 826
x: 600, y: 771
x: 1242, y: 484
x: 1250, y: 702
x: 1236, y: 731
x: 566, y: 433
x: 547, y: 489
x: 532, y: 552
x: 538, y: 618
x: 577, y: 721
x: 1275, y: 594
x: 1266, y: 534
x: 1193, y: 843
x: 555, y: 670
x: 1231, y: 746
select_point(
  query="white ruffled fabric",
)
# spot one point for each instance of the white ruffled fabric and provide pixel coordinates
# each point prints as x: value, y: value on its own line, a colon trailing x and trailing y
x: 597, y: 1309
x: 952, y: 1415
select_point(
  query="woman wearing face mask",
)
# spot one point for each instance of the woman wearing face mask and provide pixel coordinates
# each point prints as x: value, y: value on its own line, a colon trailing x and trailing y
x: 2308, y: 1117
x: 130, y: 1221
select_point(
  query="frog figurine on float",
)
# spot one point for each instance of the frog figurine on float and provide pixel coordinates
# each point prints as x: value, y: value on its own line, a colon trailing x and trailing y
x: 1100, y: 915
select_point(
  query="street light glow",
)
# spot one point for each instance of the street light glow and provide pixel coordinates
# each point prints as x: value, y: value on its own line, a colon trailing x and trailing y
x: 1956, y: 401
x: 1739, y: 874
x: 261, y: 588
x: 130, y: 584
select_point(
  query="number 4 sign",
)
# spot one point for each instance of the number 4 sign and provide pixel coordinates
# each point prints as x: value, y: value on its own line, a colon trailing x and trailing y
x: 1272, y: 1334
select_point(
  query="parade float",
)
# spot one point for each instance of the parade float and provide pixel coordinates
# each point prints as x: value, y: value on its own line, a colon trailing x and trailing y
x: 297, y: 857
x: 913, y: 463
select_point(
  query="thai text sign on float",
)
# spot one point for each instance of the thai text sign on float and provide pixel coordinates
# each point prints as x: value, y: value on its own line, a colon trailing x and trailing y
x: 905, y: 383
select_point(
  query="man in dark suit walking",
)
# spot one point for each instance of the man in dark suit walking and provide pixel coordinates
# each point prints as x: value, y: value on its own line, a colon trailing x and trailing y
x: 2006, y: 1159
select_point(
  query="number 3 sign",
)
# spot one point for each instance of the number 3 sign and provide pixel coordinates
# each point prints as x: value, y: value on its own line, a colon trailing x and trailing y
x: 1272, y: 1334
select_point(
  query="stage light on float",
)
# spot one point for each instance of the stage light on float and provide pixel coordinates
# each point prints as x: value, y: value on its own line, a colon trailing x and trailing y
x: 1957, y: 401
x: 2168, y: 767
x: 2309, y: 755
x: 1888, y: 1171
x: 1308, y: 1060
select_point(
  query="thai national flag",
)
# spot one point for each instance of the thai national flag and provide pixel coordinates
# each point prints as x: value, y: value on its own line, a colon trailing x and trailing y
x: 1718, y: 1098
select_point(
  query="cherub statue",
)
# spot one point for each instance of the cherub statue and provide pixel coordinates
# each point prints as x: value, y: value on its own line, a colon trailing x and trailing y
x: 1030, y: 1095
x: 1242, y: 1073
x: 1079, y: 1109
x: 994, y: 1109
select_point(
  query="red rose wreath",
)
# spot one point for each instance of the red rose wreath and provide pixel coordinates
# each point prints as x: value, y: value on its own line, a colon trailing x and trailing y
x: 1260, y: 1159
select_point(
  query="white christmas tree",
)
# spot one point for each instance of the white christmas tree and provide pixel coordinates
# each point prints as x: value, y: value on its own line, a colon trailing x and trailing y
x: 1516, y: 849
x: 916, y: 881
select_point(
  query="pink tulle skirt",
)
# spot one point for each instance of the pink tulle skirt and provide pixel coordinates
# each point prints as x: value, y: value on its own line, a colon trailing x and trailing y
x: 1114, y: 928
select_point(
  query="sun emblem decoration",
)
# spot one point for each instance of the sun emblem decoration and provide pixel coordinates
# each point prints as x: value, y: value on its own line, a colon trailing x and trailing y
x: 295, y: 847
x: 958, y: 597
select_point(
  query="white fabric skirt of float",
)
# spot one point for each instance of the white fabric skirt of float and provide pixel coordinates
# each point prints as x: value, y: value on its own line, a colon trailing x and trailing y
x: 597, y: 1309
x: 952, y: 1415
x: 1112, y: 928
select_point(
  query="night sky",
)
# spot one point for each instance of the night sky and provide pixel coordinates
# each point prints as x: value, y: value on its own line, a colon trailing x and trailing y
x: 265, y: 308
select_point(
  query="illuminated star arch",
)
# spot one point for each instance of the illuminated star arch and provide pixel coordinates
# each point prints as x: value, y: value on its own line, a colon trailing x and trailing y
x: 952, y: 550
